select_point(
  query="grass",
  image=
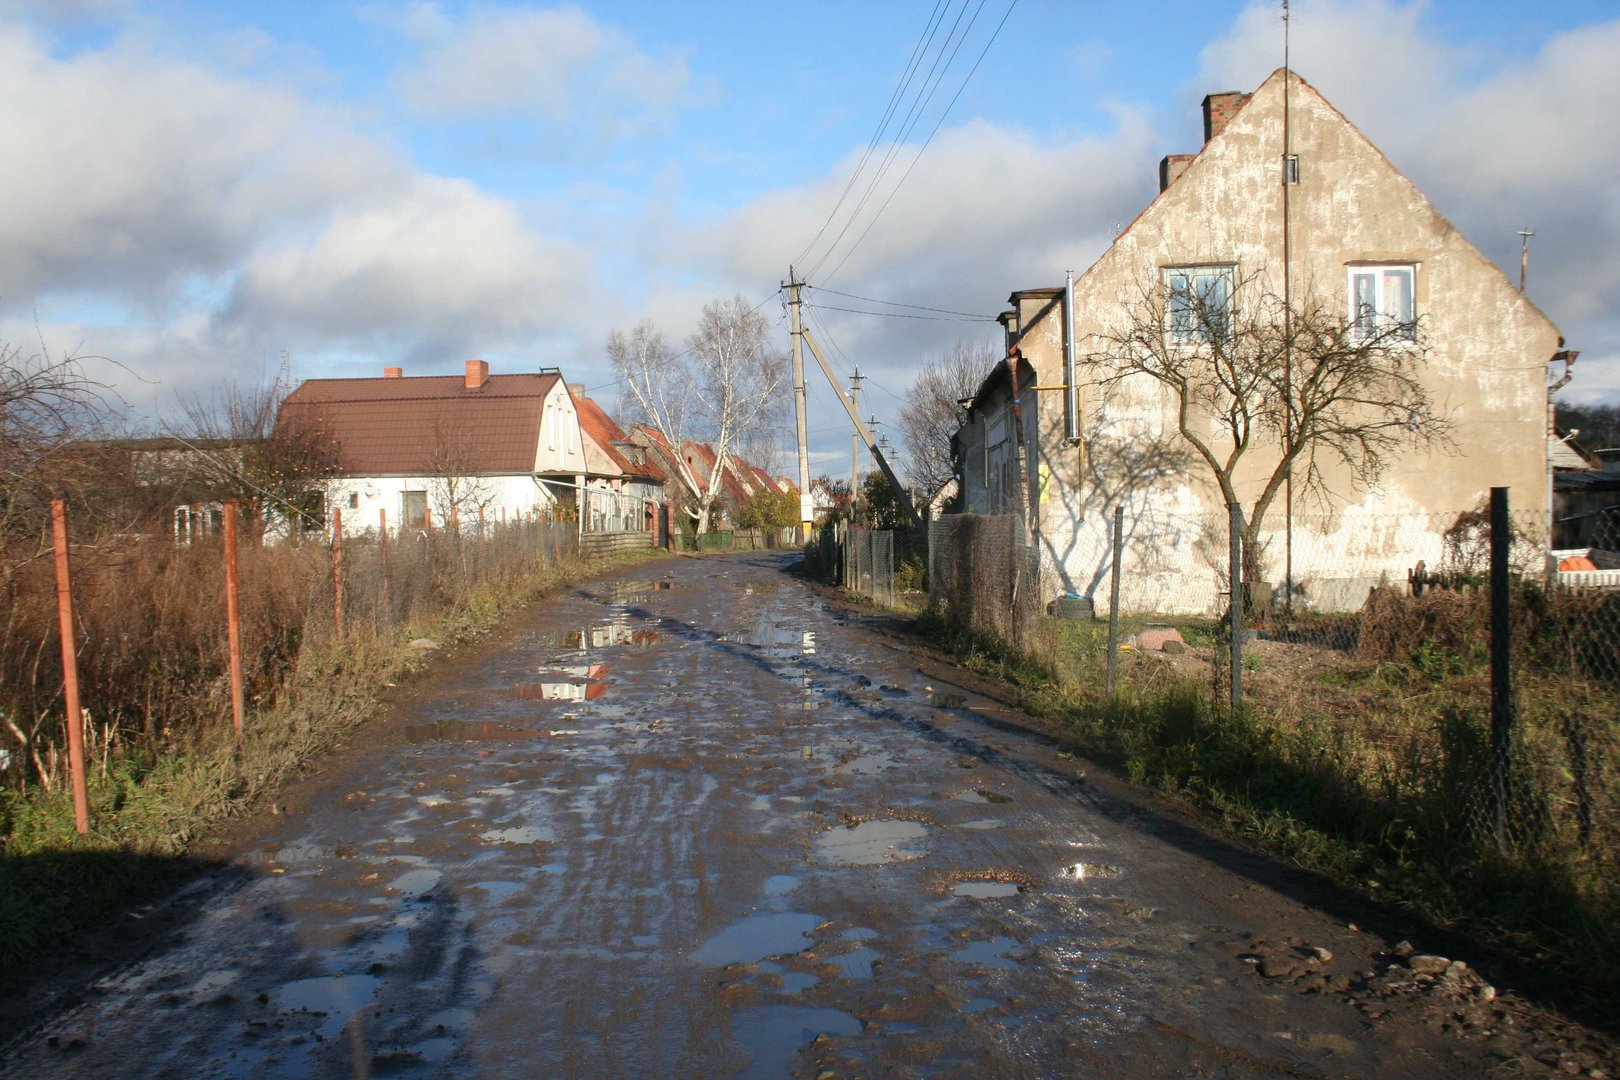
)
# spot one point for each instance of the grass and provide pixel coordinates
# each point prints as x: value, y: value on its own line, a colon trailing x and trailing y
x: 152, y: 798
x: 1369, y: 772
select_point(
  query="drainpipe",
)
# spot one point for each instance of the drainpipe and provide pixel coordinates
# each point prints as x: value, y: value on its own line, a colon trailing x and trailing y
x: 1070, y: 389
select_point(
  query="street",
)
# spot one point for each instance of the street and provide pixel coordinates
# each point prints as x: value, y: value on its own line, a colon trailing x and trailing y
x: 690, y: 819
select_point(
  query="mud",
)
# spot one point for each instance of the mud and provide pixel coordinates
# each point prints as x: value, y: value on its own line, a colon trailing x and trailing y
x: 709, y: 824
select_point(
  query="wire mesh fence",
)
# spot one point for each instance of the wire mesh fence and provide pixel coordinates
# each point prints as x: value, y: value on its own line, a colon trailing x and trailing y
x: 1363, y: 665
x: 880, y: 564
x: 151, y: 625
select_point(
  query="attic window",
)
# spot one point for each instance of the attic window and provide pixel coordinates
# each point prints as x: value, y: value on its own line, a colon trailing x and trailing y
x: 1290, y: 168
x: 1199, y: 302
x: 1381, y: 301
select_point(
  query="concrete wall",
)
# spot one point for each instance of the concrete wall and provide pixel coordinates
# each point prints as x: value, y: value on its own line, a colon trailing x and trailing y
x: 1489, y: 351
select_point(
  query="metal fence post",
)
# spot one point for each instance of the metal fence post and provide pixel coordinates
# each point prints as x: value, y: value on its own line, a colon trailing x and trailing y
x: 1113, y: 599
x: 233, y: 619
x: 1235, y: 559
x: 70, y: 669
x: 1501, y: 664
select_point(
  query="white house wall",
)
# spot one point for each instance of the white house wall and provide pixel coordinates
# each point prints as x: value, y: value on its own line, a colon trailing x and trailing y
x: 1489, y: 351
x: 363, y: 499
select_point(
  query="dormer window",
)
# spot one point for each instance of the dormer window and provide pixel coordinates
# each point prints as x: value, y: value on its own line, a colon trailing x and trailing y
x: 1381, y: 300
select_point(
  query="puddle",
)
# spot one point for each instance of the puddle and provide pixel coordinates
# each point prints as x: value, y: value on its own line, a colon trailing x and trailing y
x: 872, y: 842
x: 796, y: 982
x: 1081, y: 871
x: 858, y: 933
x: 990, y: 954
x: 335, y: 998
x: 297, y: 853
x: 983, y: 823
x: 773, y: 1035
x: 554, y: 868
x: 986, y: 890
x: 981, y: 796
x: 979, y: 1005
x: 459, y: 731
x: 415, y: 882
x: 867, y: 765
x: 758, y: 937
x: 780, y: 885
x: 212, y: 983
x: 644, y: 941
x: 574, y: 682
x: 520, y: 834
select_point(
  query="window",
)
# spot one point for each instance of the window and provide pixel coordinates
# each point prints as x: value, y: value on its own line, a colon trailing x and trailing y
x: 354, y: 500
x: 1200, y: 301
x: 413, y: 508
x: 1381, y: 299
x: 1290, y: 168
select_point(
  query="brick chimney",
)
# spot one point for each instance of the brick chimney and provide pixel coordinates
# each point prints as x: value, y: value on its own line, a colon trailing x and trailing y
x: 1171, y: 167
x: 393, y: 373
x: 577, y: 389
x: 1218, y: 109
x: 477, y: 374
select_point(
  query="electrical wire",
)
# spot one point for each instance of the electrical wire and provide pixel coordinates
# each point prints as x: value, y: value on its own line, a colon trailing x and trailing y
x: 927, y: 142
x: 902, y: 314
x: 896, y: 303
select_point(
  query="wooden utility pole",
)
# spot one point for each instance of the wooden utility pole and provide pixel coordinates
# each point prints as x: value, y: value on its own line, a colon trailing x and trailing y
x: 806, y: 508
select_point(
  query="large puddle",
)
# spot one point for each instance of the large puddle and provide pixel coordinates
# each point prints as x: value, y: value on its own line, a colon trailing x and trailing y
x: 773, y: 1035
x: 758, y: 937
x: 333, y: 999
x: 872, y: 842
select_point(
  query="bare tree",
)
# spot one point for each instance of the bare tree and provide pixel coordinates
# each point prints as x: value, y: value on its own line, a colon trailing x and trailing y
x: 1278, y: 389
x: 933, y: 410
x: 250, y: 450
x: 456, y: 491
x: 727, y: 381
x: 47, y: 401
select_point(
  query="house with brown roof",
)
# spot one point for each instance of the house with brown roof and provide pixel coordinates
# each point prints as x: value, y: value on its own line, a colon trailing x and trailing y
x: 428, y: 449
x: 739, y: 481
x: 625, y: 487
x: 1287, y: 204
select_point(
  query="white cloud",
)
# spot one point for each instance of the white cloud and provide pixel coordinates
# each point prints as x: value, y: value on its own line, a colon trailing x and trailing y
x: 1498, y: 146
x: 558, y: 63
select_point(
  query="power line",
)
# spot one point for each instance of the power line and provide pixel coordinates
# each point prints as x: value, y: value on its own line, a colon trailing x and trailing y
x: 927, y: 142
x: 903, y: 315
x: 896, y: 303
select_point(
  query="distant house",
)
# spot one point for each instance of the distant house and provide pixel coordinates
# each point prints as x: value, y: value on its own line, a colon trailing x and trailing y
x: 418, y: 451
x: 738, y: 481
x: 1350, y: 230
x: 625, y: 489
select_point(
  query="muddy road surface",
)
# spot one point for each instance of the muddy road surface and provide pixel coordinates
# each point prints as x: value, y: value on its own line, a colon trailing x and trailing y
x: 691, y: 820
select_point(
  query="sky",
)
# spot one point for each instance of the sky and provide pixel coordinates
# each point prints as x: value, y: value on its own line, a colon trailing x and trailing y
x: 192, y: 190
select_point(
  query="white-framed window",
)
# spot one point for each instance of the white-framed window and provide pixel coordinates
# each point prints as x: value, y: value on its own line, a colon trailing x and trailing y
x: 1383, y: 297
x: 1199, y: 301
x: 551, y: 427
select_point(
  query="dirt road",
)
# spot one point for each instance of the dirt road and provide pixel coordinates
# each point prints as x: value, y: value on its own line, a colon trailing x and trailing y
x: 692, y: 821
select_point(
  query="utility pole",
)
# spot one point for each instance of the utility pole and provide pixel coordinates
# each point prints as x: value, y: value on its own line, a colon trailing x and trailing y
x: 806, y: 507
x: 854, y: 443
x: 1524, y: 257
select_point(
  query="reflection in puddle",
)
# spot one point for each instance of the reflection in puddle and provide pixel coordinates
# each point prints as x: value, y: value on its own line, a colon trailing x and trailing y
x: 990, y: 954
x: 757, y: 937
x: 872, y: 842
x: 1080, y: 871
x: 980, y: 795
x: 338, y: 997
x: 773, y: 1035
x: 573, y: 682
x: 982, y: 823
x: 459, y: 730
x: 986, y: 890
x: 780, y: 885
x: 867, y: 765
x: 856, y: 964
x: 415, y: 882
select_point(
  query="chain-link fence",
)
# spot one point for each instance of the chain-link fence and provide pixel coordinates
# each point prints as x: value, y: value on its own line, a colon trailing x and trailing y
x: 1435, y: 720
x: 882, y: 565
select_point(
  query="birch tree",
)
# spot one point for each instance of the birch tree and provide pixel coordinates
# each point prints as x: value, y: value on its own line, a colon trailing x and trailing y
x: 728, y: 380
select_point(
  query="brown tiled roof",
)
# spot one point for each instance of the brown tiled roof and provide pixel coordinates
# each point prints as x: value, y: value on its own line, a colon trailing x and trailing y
x: 397, y: 426
x: 600, y: 427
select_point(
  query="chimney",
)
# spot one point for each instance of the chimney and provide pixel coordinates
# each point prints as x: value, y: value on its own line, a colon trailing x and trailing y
x: 1171, y: 167
x: 577, y: 389
x: 477, y: 374
x: 393, y: 373
x: 1218, y: 109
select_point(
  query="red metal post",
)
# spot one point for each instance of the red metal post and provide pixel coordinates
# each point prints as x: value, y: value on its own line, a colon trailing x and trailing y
x: 337, y: 570
x: 233, y: 619
x: 70, y: 670
x: 427, y: 518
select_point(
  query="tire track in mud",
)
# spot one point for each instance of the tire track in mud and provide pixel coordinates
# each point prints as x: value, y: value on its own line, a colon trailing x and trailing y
x: 714, y: 828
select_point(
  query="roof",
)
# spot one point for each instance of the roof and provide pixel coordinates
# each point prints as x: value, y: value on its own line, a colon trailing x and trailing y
x: 599, y: 427
x: 404, y: 426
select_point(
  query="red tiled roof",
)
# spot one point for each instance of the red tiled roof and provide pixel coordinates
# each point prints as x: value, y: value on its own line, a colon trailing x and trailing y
x: 602, y: 430
x: 399, y: 426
